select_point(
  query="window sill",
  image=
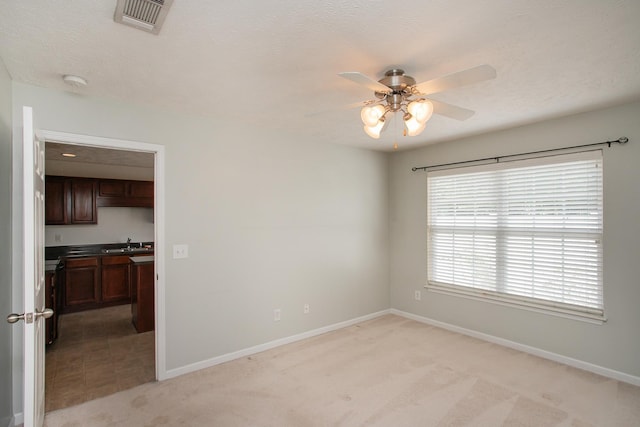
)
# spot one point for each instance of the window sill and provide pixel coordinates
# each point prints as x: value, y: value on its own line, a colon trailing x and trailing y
x: 516, y: 302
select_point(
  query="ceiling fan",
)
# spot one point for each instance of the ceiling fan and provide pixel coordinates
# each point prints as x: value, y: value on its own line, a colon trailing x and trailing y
x: 398, y: 92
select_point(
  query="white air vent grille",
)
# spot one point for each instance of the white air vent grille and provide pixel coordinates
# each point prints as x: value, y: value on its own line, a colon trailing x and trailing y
x: 147, y: 15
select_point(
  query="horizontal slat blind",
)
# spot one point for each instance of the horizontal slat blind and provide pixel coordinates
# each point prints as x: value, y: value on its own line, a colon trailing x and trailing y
x: 526, y: 229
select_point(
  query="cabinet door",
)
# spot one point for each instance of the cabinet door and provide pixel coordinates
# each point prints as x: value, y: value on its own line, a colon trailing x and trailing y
x: 111, y: 188
x: 56, y: 198
x: 83, y: 201
x: 141, y: 189
x: 115, y: 279
x: 51, y: 324
x: 81, y: 283
x: 142, y: 306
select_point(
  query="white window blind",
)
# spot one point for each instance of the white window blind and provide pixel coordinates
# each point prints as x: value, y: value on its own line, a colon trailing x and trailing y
x: 524, y: 232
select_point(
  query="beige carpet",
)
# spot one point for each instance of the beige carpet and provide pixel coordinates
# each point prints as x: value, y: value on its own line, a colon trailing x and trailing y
x: 389, y: 371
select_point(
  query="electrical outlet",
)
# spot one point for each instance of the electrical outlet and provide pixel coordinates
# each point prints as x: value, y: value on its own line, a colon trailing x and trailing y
x: 57, y: 238
x: 305, y: 309
x: 418, y: 295
x: 180, y: 251
x: 276, y: 315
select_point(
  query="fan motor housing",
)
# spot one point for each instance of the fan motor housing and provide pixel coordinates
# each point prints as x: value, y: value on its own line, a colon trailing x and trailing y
x: 397, y: 80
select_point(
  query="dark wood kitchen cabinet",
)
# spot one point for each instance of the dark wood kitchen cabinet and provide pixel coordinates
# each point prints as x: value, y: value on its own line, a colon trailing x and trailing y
x: 70, y: 201
x: 57, y: 198
x: 115, y: 284
x: 143, y: 294
x: 125, y: 193
x: 81, y: 289
x: 50, y: 298
x: 83, y: 201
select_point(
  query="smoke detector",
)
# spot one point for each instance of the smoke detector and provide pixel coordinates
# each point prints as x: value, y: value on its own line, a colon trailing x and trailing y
x: 146, y: 15
x: 75, y: 81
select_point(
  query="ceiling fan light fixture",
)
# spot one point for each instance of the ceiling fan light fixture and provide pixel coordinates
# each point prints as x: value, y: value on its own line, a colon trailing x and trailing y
x: 371, y: 115
x: 414, y: 127
x: 421, y: 109
x: 374, y: 131
x: 397, y: 92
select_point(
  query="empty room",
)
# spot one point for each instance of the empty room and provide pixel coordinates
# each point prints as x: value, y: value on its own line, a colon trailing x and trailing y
x: 302, y: 213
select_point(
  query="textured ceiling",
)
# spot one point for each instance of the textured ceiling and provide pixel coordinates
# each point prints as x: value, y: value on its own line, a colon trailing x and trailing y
x: 103, y: 156
x: 279, y: 59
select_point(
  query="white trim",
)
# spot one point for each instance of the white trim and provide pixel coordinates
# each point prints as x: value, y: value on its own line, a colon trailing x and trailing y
x: 271, y: 344
x: 159, y: 219
x: 586, y: 366
x: 17, y: 419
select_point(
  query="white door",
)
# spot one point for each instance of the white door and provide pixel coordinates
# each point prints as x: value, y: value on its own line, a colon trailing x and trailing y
x: 33, y: 274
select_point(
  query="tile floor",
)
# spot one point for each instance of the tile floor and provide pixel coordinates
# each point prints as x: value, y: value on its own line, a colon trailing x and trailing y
x: 97, y: 353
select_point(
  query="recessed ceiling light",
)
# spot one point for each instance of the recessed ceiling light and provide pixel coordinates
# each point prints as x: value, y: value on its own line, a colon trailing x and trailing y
x: 75, y: 81
x: 68, y: 154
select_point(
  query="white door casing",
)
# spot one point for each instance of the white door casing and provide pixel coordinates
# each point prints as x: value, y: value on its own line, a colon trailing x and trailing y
x: 33, y: 272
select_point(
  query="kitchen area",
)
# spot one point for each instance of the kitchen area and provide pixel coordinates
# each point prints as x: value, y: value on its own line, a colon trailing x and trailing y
x: 99, y: 262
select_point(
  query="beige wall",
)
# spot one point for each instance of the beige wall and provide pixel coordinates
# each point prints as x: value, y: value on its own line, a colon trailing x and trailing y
x: 615, y: 344
x: 271, y: 222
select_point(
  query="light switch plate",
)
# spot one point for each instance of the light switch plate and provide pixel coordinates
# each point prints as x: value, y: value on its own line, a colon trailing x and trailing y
x: 180, y: 251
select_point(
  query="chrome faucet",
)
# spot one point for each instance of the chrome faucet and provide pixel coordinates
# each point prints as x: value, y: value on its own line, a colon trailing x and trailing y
x: 128, y: 242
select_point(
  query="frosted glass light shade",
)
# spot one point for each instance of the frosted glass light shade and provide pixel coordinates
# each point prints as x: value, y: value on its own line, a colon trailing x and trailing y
x: 414, y: 127
x: 374, y: 131
x: 371, y: 115
x: 421, y: 110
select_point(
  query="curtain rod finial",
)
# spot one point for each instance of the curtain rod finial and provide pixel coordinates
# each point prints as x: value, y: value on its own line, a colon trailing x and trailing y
x: 623, y: 140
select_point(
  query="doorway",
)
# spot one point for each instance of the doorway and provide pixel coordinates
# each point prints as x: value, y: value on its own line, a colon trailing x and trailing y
x: 98, y: 351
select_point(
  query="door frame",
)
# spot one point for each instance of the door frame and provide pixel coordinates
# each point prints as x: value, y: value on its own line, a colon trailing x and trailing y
x: 159, y: 221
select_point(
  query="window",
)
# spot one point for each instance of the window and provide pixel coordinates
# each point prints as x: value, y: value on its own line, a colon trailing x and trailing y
x: 527, y: 233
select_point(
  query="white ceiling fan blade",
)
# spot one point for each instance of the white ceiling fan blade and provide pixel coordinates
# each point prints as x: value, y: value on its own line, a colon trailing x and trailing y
x: 343, y: 107
x: 365, y: 81
x: 453, y: 80
x: 451, y: 111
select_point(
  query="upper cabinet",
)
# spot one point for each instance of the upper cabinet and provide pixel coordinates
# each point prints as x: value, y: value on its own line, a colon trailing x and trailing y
x: 83, y: 201
x: 70, y: 201
x: 57, y: 200
x: 75, y: 200
x: 116, y: 192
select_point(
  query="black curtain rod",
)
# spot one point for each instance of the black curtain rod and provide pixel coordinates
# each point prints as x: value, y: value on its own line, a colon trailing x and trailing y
x: 621, y: 140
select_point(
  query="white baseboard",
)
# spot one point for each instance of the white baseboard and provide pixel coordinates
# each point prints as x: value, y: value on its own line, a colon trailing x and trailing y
x: 596, y: 369
x: 18, y: 419
x: 171, y: 373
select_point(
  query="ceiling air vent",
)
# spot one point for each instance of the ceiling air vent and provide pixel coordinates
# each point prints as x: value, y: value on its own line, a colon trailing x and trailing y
x: 147, y: 15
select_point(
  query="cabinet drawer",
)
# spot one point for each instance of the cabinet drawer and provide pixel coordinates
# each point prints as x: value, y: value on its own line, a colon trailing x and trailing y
x: 115, y: 260
x: 81, y: 262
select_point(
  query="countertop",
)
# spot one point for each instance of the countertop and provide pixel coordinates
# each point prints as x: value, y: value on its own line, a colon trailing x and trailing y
x: 51, y: 265
x: 52, y: 253
x: 142, y: 259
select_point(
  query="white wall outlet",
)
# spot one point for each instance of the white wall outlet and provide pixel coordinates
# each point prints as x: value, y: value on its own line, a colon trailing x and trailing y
x: 180, y: 251
x: 276, y: 315
x: 305, y: 309
x: 418, y: 295
x: 57, y: 238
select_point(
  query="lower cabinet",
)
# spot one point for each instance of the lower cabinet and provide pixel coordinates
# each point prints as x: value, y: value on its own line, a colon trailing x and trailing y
x: 115, y: 279
x: 81, y: 283
x: 94, y: 282
x: 143, y: 296
x: 50, y: 291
